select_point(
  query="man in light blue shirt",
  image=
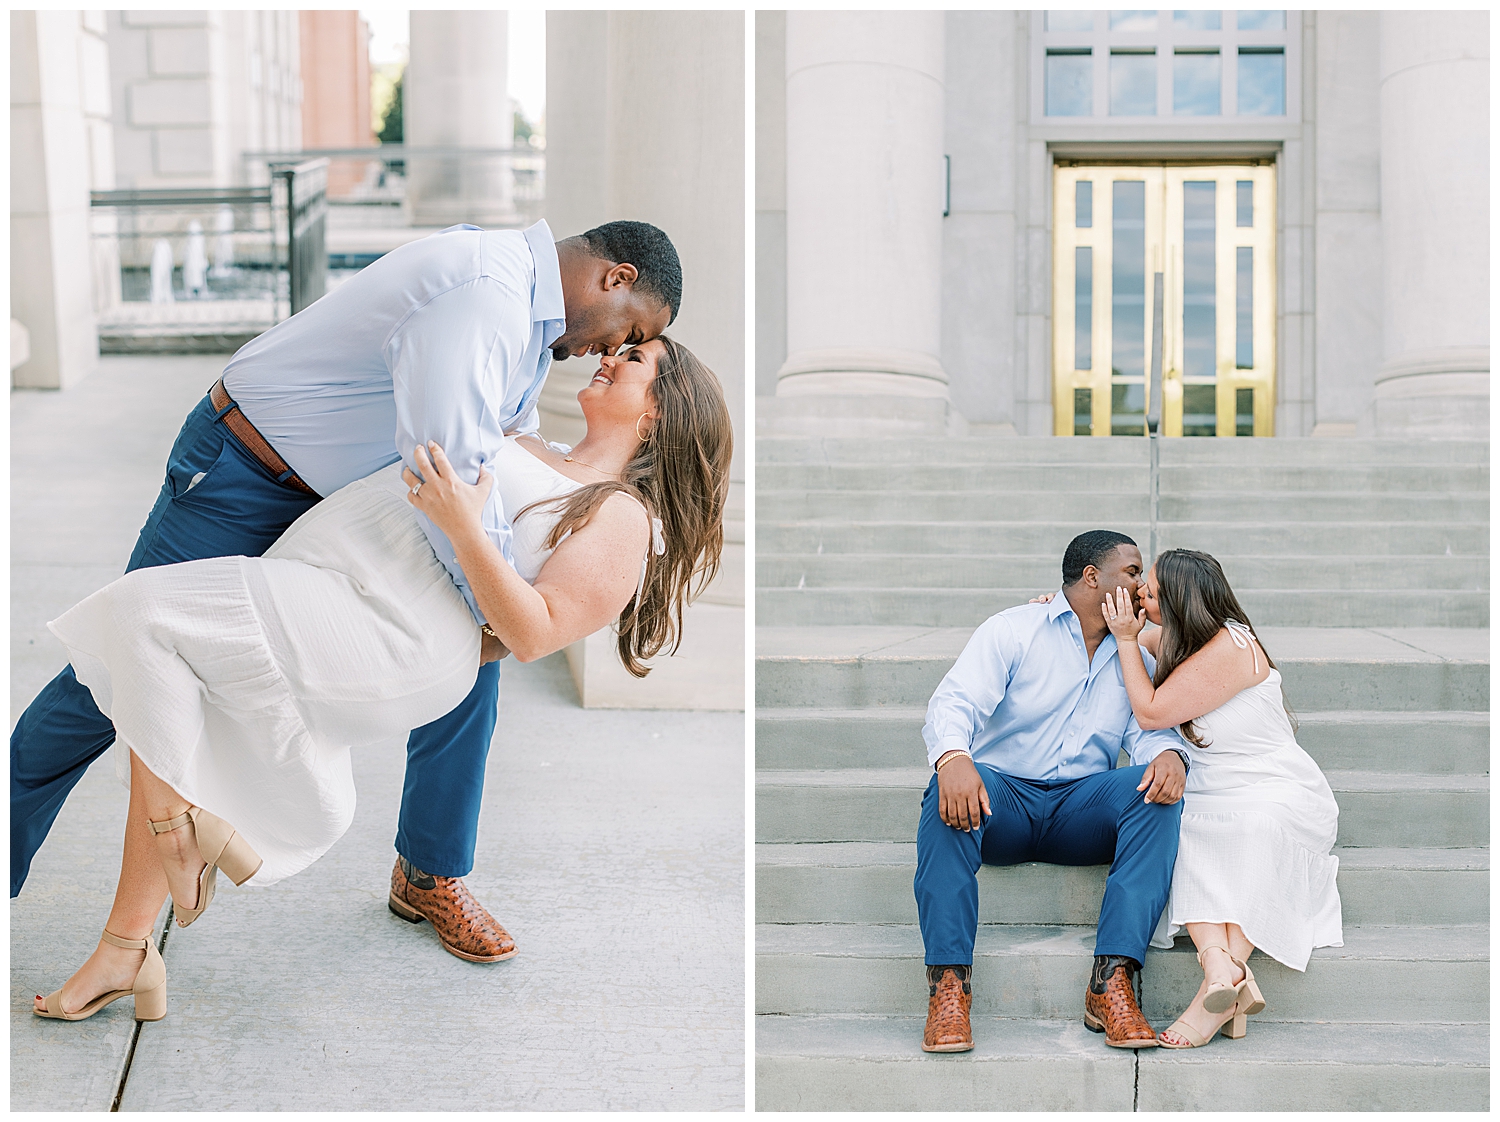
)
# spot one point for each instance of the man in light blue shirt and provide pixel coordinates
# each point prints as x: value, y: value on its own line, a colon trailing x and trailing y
x: 1024, y: 733
x: 448, y: 338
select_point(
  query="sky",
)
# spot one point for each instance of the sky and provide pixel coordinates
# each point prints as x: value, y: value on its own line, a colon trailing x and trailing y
x: 526, y: 62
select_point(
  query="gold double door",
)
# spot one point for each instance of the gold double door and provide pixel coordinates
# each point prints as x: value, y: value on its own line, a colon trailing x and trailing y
x: 1211, y: 232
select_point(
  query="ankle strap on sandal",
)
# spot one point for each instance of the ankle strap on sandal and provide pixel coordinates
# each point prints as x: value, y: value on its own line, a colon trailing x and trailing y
x: 1214, y: 947
x: 126, y: 944
x: 170, y: 824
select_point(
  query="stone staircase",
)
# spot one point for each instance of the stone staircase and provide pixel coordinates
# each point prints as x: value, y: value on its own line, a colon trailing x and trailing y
x: 1363, y: 565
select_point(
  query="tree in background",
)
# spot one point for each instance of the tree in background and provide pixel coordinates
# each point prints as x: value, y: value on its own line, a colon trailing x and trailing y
x: 390, y: 130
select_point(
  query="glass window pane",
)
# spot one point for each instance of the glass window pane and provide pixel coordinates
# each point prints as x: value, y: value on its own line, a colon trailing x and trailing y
x: 1083, y: 412
x: 1128, y: 279
x: 1070, y: 21
x: 1262, y: 84
x: 1132, y: 84
x: 1200, y: 415
x: 1244, y: 411
x: 1196, y: 21
x: 1070, y: 84
x: 1260, y: 21
x: 1083, y: 308
x: 1195, y: 84
x: 1244, y: 202
x: 1244, y: 308
x: 1128, y: 410
x: 1083, y: 204
x: 1132, y: 21
x: 1199, y: 316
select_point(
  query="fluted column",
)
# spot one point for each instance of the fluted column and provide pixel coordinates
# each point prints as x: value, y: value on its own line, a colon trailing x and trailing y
x: 865, y: 191
x: 1434, y: 184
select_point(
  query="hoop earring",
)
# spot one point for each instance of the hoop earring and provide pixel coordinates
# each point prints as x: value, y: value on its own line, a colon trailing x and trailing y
x: 638, y: 435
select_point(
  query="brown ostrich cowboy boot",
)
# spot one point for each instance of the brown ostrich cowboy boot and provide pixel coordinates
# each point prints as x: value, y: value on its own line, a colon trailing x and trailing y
x: 948, y: 1000
x: 1110, y: 1007
x: 463, y: 926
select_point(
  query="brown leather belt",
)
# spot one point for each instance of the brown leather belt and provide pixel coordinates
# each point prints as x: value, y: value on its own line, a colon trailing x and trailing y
x: 258, y: 446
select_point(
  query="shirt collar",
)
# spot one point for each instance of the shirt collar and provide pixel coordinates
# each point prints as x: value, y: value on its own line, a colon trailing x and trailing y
x: 1059, y: 606
x: 548, y: 301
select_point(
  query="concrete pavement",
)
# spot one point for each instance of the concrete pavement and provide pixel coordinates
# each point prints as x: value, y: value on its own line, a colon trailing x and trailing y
x: 611, y: 847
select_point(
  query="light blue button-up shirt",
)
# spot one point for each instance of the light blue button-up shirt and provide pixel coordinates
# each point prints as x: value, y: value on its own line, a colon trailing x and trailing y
x: 446, y: 338
x: 1024, y: 699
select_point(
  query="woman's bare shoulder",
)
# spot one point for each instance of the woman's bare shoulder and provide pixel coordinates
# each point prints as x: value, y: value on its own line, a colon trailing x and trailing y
x: 1221, y: 657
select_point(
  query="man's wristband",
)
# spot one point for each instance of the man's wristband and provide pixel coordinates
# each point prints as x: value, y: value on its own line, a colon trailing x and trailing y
x: 948, y: 756
x: 1187, y: 764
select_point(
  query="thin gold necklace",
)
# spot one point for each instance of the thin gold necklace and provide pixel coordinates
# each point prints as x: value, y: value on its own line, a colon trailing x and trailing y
x: 568, y: 459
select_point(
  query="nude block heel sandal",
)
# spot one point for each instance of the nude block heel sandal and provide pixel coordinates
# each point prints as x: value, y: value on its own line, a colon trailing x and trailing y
x: 1250, y: 989
x: 220, y: 846
x: 150, y: 989
x: 1220, y: 996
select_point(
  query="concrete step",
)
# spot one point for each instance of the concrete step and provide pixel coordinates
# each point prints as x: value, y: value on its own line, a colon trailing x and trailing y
x: 1434, y: 743
x: 1118, y: 449
x: 1044, y: 572
x: 1325, y: 669
x: 1105, y: 508
x: 883, y: 805
x: 1225, y: 540
x: 1083, y: 478
x: 1403, y: 974
x: 971, y: 606
x: 871, y: 882
x: 1099, y: 509
x: 875, y: 1063
x: 1086, y: 478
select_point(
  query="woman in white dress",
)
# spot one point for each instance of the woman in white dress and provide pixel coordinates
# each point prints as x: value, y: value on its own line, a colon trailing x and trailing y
x: 238, y: 685
x: 1258, y: 818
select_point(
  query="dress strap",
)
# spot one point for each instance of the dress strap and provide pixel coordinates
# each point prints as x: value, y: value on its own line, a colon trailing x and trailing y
x: 1243, y: 637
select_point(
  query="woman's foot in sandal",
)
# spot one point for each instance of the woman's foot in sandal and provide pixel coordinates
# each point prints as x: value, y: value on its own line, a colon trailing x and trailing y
x: 1222, y: 977
x: 112, y: 971
x: 207, y: 845
x: 183, y: 864
x: 1201, y: 1024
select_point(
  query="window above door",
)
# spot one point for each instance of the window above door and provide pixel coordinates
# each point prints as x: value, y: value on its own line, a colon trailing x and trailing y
x: 1160, y: 67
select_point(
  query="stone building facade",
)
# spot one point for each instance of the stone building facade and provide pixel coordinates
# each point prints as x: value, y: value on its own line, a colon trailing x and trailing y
x: 959, y: 216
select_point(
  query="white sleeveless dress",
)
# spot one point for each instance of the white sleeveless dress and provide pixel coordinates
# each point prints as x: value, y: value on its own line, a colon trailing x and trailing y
x: 1258, y: 822
x: 243, y: 682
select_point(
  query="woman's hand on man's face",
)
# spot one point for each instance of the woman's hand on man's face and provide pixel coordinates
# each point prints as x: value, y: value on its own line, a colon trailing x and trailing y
x: 1124, y: 622
x: 456, y: 507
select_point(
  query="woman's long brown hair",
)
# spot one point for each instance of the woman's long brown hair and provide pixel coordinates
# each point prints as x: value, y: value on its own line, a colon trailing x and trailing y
x: 1195, y: 600
x: 680, y: 473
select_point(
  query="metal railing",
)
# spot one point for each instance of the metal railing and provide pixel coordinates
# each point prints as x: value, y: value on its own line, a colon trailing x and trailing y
x: 305, y: 192
x: 405, y: 185
x: 208, y: 267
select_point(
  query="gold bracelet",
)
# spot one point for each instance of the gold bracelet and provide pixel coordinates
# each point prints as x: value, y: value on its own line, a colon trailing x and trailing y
x: 951, y: 754
x: 488, y: 630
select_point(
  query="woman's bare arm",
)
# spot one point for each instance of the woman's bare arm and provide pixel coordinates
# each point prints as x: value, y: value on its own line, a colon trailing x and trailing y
x: 583, y: 586
x: 1202, y: 683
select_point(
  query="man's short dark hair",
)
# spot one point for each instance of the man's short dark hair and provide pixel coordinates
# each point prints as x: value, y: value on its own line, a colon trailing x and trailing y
x: 649, y: 250
x: 1091, y: 548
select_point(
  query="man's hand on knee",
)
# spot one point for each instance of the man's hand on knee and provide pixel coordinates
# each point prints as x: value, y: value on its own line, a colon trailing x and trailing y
x: 963, y: 799
x: 1164, y: 779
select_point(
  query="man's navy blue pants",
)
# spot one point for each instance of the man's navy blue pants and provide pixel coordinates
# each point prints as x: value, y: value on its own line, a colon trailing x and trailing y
x: 1097, y: 820
x: 238, y: 508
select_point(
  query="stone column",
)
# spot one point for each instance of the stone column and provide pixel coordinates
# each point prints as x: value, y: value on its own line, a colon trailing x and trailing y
x: 865, y: 190
x: 56, y: 65
x: 455, y: 96
x: 1434, y: 221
